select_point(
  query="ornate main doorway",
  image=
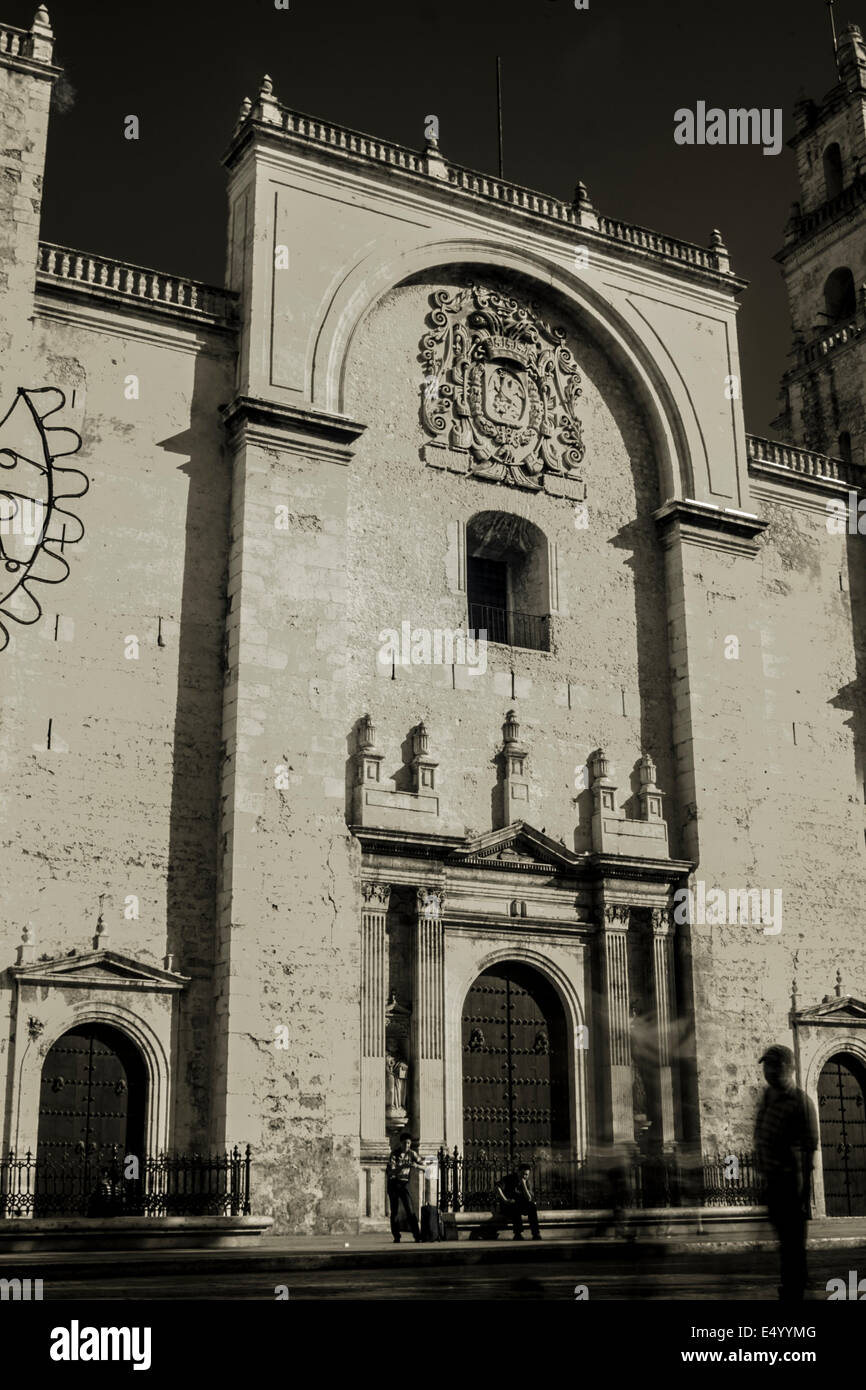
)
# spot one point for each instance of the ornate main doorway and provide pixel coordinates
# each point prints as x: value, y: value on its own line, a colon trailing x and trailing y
x: 842, y: 1114
x: 91, y: 1113
x: 515, y: 1067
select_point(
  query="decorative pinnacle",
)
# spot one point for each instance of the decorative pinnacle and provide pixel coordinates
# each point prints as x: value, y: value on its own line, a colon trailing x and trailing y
x: 41, y: 20
x: 267, y: 87
x: 246, y: 108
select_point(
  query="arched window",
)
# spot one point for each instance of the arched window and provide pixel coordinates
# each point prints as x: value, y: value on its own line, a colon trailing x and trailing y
x: 507, y: 580
x: 832, y: 170
x: 840, y: 300
x: 845, y: 446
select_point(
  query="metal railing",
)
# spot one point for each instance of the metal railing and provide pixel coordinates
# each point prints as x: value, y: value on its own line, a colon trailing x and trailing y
x: 121, y: 1184
x: 508, y: 626
x: 573, y: 1184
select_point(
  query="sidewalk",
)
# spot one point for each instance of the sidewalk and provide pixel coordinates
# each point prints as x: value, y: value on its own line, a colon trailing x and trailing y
x: 375, y: 1250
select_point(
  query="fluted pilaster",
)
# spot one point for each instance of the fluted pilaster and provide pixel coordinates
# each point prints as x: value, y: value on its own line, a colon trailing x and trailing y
x: 374, y: 946
x: 428, y: 1019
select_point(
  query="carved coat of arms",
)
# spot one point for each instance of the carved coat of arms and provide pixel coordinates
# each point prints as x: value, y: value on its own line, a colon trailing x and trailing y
x: 501, y: 387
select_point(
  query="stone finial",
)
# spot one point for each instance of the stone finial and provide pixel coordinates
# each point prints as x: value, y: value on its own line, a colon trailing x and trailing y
x: 839, y: 972
x: 513, y: 790
x: 649, y: 795
x: 27, y: 949
x: 719, y: 250
x: 246, y: 108
x: 511, y: 728
x: 424, y: 765
x: 599, y: 766
x: 586, y: 213
x: 368, y: 767
x: 100, y: 940
x: 647, y: 772
x: 851, y: 54
x: 41, y: 37
x: 436, y: 166
x: 267, y: 107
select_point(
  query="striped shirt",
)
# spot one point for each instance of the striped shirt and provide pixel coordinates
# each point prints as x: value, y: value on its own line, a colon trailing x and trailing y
x: 786, y: 1132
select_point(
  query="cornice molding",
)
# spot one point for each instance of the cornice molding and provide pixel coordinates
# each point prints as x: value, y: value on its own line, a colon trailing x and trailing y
x: 274, y: 422
x: 709, y: 526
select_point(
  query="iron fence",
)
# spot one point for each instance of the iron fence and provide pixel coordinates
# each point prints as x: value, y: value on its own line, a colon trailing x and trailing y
x: 510, y: 627
x: 641, y: 1181
x: 121, y: 1184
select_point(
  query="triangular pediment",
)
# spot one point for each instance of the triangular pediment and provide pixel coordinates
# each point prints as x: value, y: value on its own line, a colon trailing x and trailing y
x: 519, y: 847
x: 838, y: 1009
x: 98, y: 970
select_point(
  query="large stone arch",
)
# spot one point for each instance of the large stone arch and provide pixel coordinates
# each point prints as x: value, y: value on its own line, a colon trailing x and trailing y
x: 458, y: 983
x: 675, y: 429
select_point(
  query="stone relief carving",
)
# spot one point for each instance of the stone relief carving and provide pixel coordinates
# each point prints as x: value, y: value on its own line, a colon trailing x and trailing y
x: 506, y: 388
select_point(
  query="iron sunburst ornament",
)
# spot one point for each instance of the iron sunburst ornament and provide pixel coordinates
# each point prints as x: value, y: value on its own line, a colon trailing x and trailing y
x: 32, y: 487
x: 501, y: 386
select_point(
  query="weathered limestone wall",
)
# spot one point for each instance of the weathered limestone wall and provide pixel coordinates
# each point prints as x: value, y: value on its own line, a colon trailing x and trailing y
x: 25, y: 94
x: 778, y: 739
x: 285, y: 1038
x: 606, y: 683
x: 124, y: 803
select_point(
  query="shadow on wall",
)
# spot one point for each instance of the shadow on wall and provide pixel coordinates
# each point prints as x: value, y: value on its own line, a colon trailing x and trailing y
x: 196, y: 749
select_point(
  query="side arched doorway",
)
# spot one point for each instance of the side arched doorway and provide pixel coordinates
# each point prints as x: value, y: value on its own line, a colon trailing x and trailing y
x: 515, y: 1067
x: 92, y: 1107
x: 842, y: 1116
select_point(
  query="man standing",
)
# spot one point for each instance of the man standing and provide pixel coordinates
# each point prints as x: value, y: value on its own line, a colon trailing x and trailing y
x: 786, y: 1137
x: 399, y: 1171
x: 516, y: 1194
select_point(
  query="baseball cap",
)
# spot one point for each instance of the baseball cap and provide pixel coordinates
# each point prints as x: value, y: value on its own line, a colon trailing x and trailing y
x: 778, y: 1053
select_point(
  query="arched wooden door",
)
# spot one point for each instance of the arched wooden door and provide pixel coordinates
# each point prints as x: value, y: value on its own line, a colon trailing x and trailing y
x: 515, y: 1067
x: 92, y: 1105
x: 842, y: 1115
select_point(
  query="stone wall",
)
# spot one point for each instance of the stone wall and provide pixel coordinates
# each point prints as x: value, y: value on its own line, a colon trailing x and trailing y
x: 125, y: 663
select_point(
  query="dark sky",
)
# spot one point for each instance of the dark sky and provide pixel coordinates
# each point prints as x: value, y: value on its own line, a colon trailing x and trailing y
x: 587, y: 95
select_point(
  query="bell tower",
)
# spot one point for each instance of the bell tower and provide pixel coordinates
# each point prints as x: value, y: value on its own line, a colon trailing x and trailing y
x: 823, y: 392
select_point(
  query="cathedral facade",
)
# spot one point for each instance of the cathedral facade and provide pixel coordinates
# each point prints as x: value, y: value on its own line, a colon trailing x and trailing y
x: 423, y: 705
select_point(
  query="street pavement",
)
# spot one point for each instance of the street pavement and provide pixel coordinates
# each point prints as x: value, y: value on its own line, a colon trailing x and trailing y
x: 560, y: 1272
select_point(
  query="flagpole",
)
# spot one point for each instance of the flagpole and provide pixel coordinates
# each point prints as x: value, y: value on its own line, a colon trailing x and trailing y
x: 499, y: 106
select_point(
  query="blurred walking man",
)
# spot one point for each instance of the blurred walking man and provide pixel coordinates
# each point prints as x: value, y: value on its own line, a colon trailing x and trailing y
x: 786, y: 1137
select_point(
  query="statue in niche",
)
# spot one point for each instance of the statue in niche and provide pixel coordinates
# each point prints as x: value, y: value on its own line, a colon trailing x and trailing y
x: 396, y: 1079
x: 644, y: 1056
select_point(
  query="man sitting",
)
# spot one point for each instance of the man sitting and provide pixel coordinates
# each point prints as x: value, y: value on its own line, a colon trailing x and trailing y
x: 516, y: 1196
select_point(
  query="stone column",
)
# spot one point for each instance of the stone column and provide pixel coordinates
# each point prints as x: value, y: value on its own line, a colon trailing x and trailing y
x: 428, y: 1021
x: 615, y: 928
x: 665, y: 1006
x: 374, y: 946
